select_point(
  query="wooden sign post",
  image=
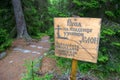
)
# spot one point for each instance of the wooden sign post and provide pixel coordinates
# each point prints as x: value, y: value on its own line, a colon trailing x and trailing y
x: 77, y: 38
x: 74, y: 69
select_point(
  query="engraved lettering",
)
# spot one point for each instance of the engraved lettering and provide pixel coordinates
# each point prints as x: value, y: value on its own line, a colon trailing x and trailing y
x: 73, y: 23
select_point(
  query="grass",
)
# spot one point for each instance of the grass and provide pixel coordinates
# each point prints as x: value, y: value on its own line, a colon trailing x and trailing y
x: 85, y: 68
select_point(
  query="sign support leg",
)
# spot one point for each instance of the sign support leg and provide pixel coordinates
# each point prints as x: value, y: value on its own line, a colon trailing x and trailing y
x: 74, y: 69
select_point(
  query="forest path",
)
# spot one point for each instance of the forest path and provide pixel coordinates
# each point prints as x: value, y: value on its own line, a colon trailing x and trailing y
x: 12, y: 66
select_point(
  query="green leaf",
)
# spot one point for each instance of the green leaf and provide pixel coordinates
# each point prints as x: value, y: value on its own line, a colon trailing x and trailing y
x: 116, y: 44
x: 103, y: 58
x: 109, y: 13
x: 77, y: 2
x: 109, y: 32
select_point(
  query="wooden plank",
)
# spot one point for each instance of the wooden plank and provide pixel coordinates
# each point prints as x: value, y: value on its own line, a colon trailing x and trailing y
x: 77, y: 38
x: 74, y: 70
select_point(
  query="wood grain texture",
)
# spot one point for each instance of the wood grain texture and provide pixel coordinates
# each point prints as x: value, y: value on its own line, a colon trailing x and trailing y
x: 77, y: 38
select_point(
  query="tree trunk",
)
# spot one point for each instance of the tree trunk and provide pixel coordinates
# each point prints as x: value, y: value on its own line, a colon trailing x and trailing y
x: 20, y: 20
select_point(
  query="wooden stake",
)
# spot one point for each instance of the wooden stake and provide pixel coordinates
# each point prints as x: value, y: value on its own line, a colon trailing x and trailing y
x: 74, y: 70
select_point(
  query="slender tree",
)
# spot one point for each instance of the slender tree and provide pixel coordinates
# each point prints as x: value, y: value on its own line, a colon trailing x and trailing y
x: 20, y: 20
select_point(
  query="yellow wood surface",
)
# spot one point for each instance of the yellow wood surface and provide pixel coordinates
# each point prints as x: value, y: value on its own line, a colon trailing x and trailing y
x: 74, y: 69
x: 77, y: 38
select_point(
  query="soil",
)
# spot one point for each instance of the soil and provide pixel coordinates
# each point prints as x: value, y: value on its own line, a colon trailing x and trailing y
x: 12, y: 66
x: 49, y: 66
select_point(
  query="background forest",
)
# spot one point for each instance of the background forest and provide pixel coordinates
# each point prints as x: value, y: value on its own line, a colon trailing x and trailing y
x: 39, y: 15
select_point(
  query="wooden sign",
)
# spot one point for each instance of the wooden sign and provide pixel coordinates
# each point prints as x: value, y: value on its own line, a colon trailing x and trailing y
x: 77, y: 38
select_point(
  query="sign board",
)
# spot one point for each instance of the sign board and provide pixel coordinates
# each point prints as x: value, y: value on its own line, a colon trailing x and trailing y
x: 77, y: 38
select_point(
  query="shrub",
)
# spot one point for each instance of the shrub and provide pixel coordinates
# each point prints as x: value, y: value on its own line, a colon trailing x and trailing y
x: 4, y: 40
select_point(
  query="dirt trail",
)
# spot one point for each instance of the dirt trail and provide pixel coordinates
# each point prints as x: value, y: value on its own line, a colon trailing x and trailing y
x: 11, y: 67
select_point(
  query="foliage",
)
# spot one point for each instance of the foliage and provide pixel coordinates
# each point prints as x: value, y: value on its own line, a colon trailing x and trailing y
x: 3, y: 36
x: 6, y: 23
x: 31, y: 17
x: 50, y: 31
x: 6, y: 16
x: 97, y: 8
x: 108, y: 60
x: 29, y: 67
x: 5, y: 42
x: 64, y: 64
x: 109, y: 13
x: 30, y: 71
x: 46, y: 77
x: 117, y: 44
x: 40, y: 35
x: 39, y: 16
